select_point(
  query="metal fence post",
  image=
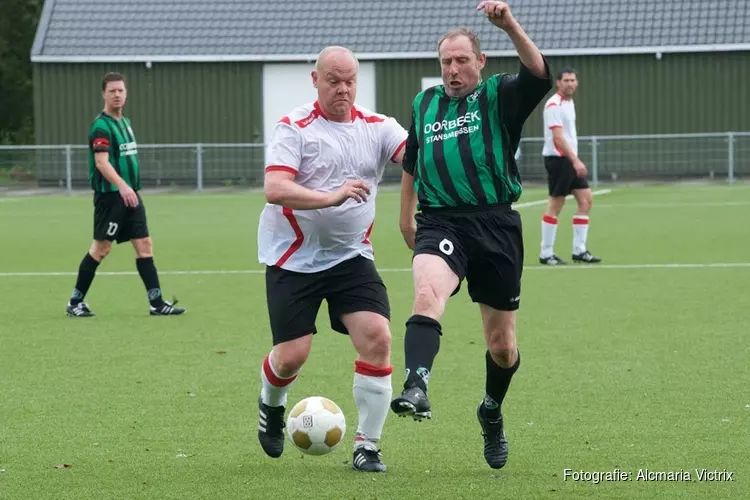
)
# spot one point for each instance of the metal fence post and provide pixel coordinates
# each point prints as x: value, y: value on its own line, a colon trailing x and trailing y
x: 594, y: 162
x: 69, y: 168
x: 199, y: 165
x: 730, y: 157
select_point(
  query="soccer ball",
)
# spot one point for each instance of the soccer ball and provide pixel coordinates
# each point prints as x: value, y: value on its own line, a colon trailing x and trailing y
x: 316, y: 425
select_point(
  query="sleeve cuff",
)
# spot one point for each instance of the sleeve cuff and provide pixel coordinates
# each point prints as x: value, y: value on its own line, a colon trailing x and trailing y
x: 398, y: 150
x: 526, y: 73
x: 281, y: 168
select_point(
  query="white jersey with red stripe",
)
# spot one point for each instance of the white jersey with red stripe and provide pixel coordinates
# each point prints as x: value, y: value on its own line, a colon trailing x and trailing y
x: 322, y: 155
x: 559, y: 112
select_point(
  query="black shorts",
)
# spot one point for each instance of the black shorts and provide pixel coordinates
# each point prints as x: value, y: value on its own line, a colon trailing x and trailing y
x: 294, y: 299
x: 113, y: 221
x: 562, y: 178
x: 485, y: 246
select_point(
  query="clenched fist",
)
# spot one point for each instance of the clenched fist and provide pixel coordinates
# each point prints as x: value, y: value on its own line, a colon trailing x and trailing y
x: 499, y: 14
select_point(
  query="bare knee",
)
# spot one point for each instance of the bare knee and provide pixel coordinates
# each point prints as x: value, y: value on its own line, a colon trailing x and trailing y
x: 502, y: 346
x: 378, y: 350
x: 371, y: 336
x: 100, y: 249
x: 428, y: 303
x: 585, y: 200
x: 555, y: 205
x: 143, y: 247
x: 289, y: 357
x: 584, y: 206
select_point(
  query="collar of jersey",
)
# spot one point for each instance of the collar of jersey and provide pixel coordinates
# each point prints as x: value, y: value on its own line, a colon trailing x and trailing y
x: 442, y: 87
x: 112, y: 117
x: 319, y: 112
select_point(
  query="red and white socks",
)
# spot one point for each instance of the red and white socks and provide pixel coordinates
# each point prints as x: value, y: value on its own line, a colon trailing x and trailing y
x: 372, y: 395
x: 275, y: 388
x: 549, y: 231
x: 580, y: 233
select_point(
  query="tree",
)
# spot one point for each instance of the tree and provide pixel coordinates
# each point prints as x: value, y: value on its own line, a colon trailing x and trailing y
x: 18, y: 23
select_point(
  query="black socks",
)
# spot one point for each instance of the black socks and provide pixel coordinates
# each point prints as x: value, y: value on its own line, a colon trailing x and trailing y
x: 498, y: 381
x: 150, y: 277
x: 421, y: 346
x: 86, y: 273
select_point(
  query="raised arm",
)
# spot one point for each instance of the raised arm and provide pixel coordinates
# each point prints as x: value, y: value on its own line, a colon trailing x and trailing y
x: 519, y: 93
x: 500, y: 15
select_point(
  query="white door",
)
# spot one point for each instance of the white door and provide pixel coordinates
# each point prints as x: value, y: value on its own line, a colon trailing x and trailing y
x: 431, y: 81
x: 288, y: 85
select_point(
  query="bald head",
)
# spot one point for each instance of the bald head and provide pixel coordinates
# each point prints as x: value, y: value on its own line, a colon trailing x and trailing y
x: 335, y: 55
x: 335, y: 77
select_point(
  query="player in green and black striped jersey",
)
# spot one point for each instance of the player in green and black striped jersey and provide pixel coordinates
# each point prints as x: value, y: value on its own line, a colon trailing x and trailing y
x: 460, y: 152
x: 119, y: 213
x: 460, y: 172
x: 116, y: 138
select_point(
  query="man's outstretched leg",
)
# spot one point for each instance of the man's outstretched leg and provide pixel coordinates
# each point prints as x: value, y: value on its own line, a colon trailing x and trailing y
x: 502, y: 360
x: 278, y: 370
x: 434, y: 281
x: 86, y: 274
x: 372, y: 388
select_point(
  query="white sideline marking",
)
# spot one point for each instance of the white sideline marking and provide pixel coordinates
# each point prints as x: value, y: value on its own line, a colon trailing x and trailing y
x: 710, y: 265
x: 675, y: 204
x: 569, y: 197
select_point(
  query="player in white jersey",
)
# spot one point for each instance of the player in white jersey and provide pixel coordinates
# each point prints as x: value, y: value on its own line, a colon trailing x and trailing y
x: 324, y: 164
x: 566, y: 173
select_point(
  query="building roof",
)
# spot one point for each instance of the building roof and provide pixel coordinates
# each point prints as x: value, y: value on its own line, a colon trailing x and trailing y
x: 213, y: 30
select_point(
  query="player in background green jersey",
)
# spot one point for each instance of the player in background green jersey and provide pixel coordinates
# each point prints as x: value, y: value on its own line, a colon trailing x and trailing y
x: 459, y: 168
x: 119, y: 213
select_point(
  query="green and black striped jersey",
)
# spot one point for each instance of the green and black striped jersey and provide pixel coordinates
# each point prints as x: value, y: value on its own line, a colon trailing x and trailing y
x: 108, y: 135
x: 461, y: 150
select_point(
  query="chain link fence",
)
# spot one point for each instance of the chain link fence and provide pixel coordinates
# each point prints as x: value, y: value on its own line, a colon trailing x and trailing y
x: 634, y: 158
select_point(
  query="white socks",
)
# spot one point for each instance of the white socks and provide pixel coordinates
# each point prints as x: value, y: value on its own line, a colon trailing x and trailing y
x: 372, y: 395
x: 580, y: 233
x: 274, y: 388
x: 549, y: 230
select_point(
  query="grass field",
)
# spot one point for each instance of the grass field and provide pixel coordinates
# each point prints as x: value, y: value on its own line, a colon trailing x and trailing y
x: 640, y: 363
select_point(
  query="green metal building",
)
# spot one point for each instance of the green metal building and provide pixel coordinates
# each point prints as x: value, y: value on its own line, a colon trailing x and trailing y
x: 198, y: 102
x: 224, y: 71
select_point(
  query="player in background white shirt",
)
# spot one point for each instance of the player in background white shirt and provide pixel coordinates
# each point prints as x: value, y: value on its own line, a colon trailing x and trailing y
x: 324, y: 164
x: 566, y: 173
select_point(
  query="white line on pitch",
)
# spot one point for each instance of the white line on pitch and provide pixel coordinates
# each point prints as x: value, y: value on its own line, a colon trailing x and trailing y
x: 218, y: 272
x: 569, y: 197
x: 694, y: 204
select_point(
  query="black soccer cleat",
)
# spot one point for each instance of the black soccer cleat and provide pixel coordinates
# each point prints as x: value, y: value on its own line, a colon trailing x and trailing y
x: 367, y: 460
x: 80, y: 310
x: 553, y: 260
x: 271, y: 429
x: 166, y: 309
x: 495, y: 442
x: 413, y: 401
x: 586, y: 258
